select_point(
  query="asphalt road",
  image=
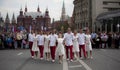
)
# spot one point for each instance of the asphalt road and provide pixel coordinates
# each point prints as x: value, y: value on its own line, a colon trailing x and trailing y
x: 103, y: 59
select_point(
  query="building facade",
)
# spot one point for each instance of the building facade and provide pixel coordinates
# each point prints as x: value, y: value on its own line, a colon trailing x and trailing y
x: 34, y: 20
x: 86, y: 12
x: 82, y: 13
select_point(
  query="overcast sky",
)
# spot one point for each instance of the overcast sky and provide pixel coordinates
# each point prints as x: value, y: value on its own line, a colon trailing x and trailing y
x: 54, y: 7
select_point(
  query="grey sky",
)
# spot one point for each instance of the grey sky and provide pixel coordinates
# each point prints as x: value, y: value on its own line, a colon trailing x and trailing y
x: 54, y: 7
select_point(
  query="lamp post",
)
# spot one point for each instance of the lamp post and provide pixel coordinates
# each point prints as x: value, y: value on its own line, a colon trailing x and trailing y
x: 118, y: 25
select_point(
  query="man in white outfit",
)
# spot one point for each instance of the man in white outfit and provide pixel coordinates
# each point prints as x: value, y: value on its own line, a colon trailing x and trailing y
x: 52, y: 44
x: 68, y: 38
x: 81, y: 40
x: 30, y: 39
x: 41, y: 41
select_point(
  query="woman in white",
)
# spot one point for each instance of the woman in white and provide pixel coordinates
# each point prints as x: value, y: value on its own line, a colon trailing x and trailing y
x: 60, y: 48
x: 88, y: 43
x: 35, y: 45
x: 75, y: 44
x: 46, y: 48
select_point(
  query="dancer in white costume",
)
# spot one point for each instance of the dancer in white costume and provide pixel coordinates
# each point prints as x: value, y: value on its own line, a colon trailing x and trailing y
x: 88, y: 43
x: 46, y: 48
x: 75, y: 44
x: 60, y: 48
x: 35, y: 45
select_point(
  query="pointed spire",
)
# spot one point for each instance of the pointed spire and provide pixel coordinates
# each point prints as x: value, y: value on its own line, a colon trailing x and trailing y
x: 21, y: 12
x: 26, y: 8
x: 38, y: 9
x: 7, y: 20
x: 63, y: 4
x: 63, y: 12
x: 21, y: 8
x: 13, y: 19
x: 47, y: 9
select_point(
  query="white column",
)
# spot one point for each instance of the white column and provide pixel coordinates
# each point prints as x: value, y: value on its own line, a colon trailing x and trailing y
x: 118, y: 25
x: 112, y: 27
x: 106, y: 27
x: 100, y: 27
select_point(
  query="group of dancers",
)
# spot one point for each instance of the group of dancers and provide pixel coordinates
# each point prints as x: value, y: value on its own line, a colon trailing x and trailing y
x: 52, y: 44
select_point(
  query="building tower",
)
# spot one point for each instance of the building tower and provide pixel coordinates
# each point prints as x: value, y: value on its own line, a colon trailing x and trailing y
x: 38, y: 9
x: 13, y: 19
x: 7, y: 22
x: 47, y: 20
x: 63, y: 14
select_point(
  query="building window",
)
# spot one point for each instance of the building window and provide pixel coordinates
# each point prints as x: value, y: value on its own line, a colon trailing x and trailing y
x: 105, y: 3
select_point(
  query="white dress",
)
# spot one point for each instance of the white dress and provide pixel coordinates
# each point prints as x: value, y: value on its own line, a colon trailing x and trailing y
x: 75, y: 44
x: 88, y: 43
x: 35, y: 45
x: 46, y: 49
x: 60, y: 47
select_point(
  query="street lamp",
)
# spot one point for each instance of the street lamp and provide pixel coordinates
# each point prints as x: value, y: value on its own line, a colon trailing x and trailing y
x: 118, y: 25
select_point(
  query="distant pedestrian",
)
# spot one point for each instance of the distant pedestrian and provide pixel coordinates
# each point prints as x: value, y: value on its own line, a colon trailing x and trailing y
x: 109, y: 41
x: 19, y: 39
x: 104, y: 39
x: 93, y: 36
x: 98, y: 41
x: 117, y: 40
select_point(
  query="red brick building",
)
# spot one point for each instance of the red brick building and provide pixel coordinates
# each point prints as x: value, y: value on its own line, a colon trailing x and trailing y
x: 36, y: 20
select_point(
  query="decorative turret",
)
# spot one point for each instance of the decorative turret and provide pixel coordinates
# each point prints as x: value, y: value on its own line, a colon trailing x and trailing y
x: 21, y: 12
x: 47, y: 12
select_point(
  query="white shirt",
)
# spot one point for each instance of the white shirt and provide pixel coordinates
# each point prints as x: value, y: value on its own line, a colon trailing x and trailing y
x: 68, y: 39
x: 30, y: 37
x: 53, y: 39
x: 81, y: 39
x: 41, y: 39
